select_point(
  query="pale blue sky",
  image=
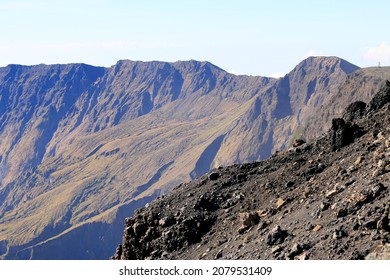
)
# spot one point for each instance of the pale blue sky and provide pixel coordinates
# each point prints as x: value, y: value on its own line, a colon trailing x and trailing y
x: 244, y: 36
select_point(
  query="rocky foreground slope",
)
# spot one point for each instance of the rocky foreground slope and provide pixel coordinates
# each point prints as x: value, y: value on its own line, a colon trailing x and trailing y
x: 327, y: 199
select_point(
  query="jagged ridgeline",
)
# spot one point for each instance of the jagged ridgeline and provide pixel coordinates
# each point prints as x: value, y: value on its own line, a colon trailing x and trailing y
x: 82, y: 147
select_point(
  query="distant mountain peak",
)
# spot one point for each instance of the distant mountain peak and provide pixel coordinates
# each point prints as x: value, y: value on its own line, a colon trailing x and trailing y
x: 195, y: 65
x: 327, y: 63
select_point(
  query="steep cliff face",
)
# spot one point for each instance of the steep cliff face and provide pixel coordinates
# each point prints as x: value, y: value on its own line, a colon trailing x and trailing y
x: 34, y: 101
x: 274, y: 118
x: 84, y: 146
x: 360, y: 85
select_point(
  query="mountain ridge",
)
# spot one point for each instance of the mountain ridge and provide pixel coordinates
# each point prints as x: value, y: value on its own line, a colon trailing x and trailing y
x: 84, y: 147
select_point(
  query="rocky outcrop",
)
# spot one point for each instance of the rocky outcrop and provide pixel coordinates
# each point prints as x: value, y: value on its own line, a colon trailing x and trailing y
x: 381, y: 99
x: 327, y: 199
x: 354, y: 111
x: 343, y: 133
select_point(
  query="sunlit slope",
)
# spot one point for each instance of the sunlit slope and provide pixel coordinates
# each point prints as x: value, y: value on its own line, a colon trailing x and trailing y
x: 109, y: 146
x: 83, y: 146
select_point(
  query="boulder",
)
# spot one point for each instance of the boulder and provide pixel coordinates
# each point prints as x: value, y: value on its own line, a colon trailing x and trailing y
x: 276, y: 236
x: 214, y: 176
x: 343, y: 133
x: 248, y: 219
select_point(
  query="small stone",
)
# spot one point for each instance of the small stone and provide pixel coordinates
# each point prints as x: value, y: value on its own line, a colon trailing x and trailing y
x: 375, y: 235
x: 276, y: 236
x: 247, y: 239
x: 218, y: 255
x: 334, y: 205
x: 351, y: 169
x: 359, y: 160
x: 387, y: 143
x: 381, y: 136
x: 384, y: 221
x: 155, y: 253
x: 342, y: 212
x: 298, y: 142
x: 214, y: 176
x: 222, y: 241
x: 339, y: 233
x: 276, y: 249
x: 262, y: 225
x: 336, y: 190
x: 321, y: 166
x: 324, y: 206
x: 238, y: 196
x: 289, y: 184
x: 309, y: 227
x: 247, y: 220
x: 166, y: 221
x: 261, y: 213
x: 376, y: 173
x: 139, y: 228
x: 296, y: 249
x: 370, y: 224
x: 279, y: 203
x: 381, y: 164
x: 317, y: 228
x: 377, y: 189
x: 349, y: 183
x: 356, y: 226
x: 378, y: 154
x: 315, y: 213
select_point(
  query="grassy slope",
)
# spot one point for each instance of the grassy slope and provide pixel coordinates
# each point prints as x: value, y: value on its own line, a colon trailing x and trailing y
x: 94, y: 175
x: 88, y: 184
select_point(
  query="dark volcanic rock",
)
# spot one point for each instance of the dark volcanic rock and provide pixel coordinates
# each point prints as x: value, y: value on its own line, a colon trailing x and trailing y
x: 214, y: 176
x: 298, y: 142
x: 354, y: 111
x: 276, y: 236
x: 381, y: 98
x: 343, y: 133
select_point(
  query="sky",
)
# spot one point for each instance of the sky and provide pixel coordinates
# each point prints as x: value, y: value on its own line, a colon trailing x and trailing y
x: 251, y: 37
